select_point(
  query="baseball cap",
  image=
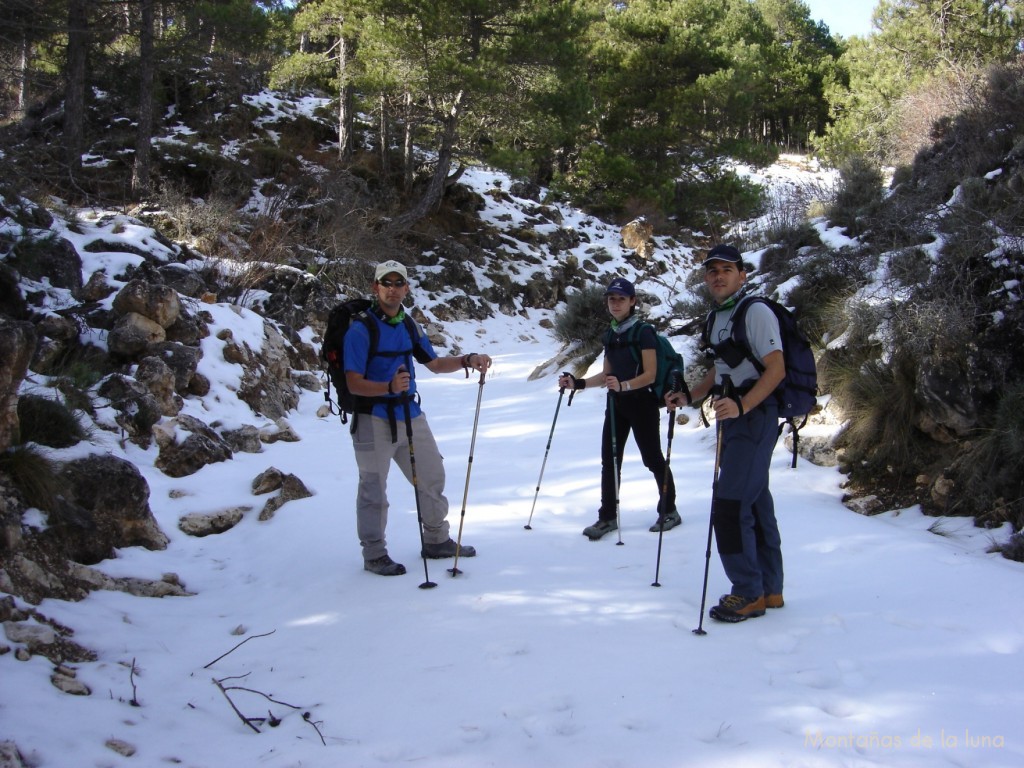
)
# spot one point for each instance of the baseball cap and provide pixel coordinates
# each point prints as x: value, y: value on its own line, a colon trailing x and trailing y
x: 387, y: 267
x: 723, y: 252
x: 621, y: 286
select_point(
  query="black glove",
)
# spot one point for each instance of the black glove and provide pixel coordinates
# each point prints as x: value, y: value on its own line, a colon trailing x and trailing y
x: 678, y: 384
x: 577, y: 383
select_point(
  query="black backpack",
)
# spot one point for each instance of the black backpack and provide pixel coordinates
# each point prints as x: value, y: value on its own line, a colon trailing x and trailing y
x: 670, y: 363
x: 797, y: 394
x: 332, y: 351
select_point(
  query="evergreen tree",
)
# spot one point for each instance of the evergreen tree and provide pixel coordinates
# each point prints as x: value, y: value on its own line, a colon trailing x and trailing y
x: 917, y: 43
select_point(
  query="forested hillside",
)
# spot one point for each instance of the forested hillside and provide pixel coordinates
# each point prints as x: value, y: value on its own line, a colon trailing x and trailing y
x: 629, y: 109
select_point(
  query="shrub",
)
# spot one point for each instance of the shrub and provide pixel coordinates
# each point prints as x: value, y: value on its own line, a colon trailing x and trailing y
x: 715, y: 200
x: 825, y: 279
x: 1013, y: 549
x: 859, y: 195
x: 33, y: 474
x: 988, y: 475
x: 879, y: 438
x: 784, y: 222
x: 47, y: 422
x: 584, y: 319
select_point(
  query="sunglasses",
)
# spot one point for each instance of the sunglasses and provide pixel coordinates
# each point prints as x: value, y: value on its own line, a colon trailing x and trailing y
x: 399, y: 283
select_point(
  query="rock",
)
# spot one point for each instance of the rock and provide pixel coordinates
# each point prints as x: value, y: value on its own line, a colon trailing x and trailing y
x: 167, y: 586
x: 159, y: 380
x: 122, y: 748
x: 267, y: 481
x: 29, y: 634
x: 245, y: 439
x: 10, y: 757
x: 17, y: 344
x: 949, y: 398
x: 817, y: 449
x: 182, y: 360
x: 158, y: 303
x: 65, y: 682
x: 116, y: 496
x: 941, y: 492
x: 636, y: 235
x: 292, y: 488
x: 205, y: 524
x: 864, y: 505
x: 96, y: 288
x: 281, y: 432
x: 132, y: 335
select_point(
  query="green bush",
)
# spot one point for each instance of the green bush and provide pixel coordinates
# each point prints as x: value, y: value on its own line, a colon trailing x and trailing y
x: 33, y: 474
x: 47, y: 422
x: 880, y: 442
x: 584, y: 319
x: 988, y: 475
x: 825, y: 279
x: 859, y: 195
x: 713, y: 201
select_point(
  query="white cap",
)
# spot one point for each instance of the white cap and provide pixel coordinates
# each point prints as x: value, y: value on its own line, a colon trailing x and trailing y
x: 387, y: 267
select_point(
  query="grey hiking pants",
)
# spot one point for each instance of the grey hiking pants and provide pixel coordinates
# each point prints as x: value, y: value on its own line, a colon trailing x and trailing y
x: 374, y: 454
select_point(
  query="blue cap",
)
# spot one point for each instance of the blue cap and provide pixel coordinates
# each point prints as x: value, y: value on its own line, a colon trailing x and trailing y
x: 621, y: 286
x: 724, y: 252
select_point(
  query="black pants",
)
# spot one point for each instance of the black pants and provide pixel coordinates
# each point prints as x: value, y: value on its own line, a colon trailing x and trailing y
x: 635, y: 412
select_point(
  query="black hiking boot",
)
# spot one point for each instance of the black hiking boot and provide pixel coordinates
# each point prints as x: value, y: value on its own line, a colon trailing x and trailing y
x: 384, y: 566
x: 672, y: 519
x: 599, y: 529
x: 446, y: 549
x: 733, y: 609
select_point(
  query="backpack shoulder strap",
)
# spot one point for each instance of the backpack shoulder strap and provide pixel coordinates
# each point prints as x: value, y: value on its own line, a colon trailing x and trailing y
x: 418, y: 352
x: 739, y: 328
x: 372, y: 331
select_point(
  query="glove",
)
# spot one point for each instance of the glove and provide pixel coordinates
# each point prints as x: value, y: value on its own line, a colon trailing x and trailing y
x: 577, y: 384
x: 678, y: 384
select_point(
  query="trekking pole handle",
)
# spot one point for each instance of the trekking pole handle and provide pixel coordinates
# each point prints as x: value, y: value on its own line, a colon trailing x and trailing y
x: 572, y: 392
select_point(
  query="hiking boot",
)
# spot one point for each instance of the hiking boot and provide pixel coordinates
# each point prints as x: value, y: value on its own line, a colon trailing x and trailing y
x: 672, y: 519
x: 774, y: 601
x: 384, y: 566
x: 446, y: 549
x: 734, y: 608
x: 599, y: 529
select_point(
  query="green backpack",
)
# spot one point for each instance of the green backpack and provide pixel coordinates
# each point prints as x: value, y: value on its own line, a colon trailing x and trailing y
x: 670, y: 362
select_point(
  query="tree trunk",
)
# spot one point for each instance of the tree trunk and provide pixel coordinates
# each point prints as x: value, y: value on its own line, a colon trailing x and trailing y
x: 24, y: 84
x: 74, y: 96
x: 383, y: 130
x: 144, y: 131
x: 435, y: 190
x: 346, y: 52
x: 408, y: 150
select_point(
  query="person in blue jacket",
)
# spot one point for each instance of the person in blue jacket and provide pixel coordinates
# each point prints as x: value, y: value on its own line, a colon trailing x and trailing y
x: 384, y: 386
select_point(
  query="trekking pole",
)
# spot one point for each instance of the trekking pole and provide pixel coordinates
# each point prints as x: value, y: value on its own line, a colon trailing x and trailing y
x: 547, y: 449
x: 615, y: 463
x: 427, y: 583
x: 726, y: 392
x: 454, y: 570
x: 664, y: 493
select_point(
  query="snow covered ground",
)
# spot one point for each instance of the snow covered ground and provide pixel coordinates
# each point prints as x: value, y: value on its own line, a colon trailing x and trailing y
x: 897, y: 645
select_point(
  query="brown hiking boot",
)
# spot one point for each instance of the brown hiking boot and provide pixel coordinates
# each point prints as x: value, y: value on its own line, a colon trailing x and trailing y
x: 734, y: 608
x: 774, y: 601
